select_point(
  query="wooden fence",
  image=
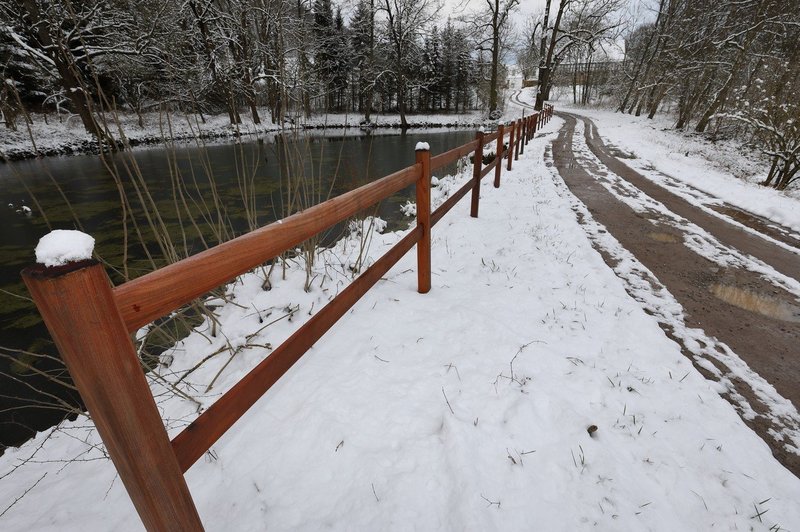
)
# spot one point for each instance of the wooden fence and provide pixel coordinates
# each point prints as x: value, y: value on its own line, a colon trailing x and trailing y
x: 91, y: 322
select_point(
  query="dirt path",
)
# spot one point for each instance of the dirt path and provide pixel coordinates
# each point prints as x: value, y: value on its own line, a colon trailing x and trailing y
x: 738, y: 287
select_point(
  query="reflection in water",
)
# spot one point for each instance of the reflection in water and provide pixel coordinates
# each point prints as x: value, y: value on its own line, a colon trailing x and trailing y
x: 193, y: 196
x: 755, y: 302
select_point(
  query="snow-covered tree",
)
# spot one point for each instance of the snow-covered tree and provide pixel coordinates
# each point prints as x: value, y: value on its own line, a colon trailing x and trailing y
x: 404, y: 24
x: 492, y: 25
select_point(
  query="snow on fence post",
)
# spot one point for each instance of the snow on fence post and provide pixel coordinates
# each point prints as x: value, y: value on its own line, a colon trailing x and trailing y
x: 74, y: 296
x: 513, y: 127
x: 499, y: 155
x: 423, y: 189
x: 477, y: 163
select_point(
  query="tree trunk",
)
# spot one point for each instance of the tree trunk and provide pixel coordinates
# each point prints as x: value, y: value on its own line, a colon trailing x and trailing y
x: 495, y: 57
x: 401, y: 104
x: 545, y: 84
x: 635, y: 78
x: 722, y: 95
x: 69, y: 73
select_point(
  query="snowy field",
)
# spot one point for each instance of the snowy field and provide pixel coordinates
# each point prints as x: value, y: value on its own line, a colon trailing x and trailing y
x: 527, y: 390
x: 53, y: 135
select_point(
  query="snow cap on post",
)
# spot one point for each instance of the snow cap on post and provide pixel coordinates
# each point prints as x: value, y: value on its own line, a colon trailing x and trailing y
x: 62, y: 246
x: 423, y: 146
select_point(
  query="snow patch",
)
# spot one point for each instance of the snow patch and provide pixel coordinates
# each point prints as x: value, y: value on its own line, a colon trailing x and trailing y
x: 422, y: 146
x: 63, y: 246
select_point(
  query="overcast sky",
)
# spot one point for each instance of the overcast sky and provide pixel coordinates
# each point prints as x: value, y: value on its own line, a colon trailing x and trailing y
x: 526, y: 6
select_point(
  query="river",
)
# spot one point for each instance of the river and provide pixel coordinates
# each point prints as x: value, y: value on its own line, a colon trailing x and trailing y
x: 228, y: 187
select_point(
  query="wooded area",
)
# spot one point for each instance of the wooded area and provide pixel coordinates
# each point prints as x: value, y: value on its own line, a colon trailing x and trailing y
x: 207, y: 56
x: 727, y: 67
x: 293, y: 58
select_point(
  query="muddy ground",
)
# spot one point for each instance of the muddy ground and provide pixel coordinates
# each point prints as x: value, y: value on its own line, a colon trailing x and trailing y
x: 755, y: 318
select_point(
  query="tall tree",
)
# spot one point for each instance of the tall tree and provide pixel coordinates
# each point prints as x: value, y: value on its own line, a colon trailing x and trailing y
x: 492, y: 24
x: 71, y: 42
x: 405, y: 21
x: 362, y: 28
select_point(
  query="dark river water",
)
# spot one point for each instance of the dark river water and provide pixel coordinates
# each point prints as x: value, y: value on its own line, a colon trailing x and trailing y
x: 212, y: 191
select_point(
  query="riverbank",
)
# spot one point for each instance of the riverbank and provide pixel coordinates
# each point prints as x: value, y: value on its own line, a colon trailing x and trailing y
x: 64, y: 135
x: 526, y: 387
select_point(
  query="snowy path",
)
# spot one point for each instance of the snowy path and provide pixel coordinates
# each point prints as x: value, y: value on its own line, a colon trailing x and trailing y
x: 527, y: 390
x: 735, y: 314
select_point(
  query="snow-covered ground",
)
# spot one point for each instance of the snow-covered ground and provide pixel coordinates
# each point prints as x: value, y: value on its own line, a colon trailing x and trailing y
x: 703, y: 172
x: 54, y: 135
x: 526, y: 390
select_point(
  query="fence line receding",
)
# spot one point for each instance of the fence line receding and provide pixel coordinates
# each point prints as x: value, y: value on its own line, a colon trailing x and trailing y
x: 91, y: 322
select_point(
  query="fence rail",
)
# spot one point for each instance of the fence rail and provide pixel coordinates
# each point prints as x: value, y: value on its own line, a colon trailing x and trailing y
x: 91, y: 322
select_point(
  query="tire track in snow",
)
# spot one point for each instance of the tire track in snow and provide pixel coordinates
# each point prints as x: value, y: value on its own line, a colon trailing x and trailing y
x: 672, y: 283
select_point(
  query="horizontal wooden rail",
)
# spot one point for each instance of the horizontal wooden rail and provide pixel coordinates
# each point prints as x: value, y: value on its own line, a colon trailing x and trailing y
x: 450, y: 202
x: 156, y: 294
x: 453, y: 155
x: 490, y: 137
x: 198, y: 437
x: 489, y: 167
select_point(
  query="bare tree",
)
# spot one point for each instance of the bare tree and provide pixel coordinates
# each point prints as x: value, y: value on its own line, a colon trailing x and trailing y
x: 491, y: 25
x: 71, y: 42
x: 405, y: 22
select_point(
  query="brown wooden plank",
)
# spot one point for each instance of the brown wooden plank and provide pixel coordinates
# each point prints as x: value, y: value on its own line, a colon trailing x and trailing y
x: 453, y: 155
x: 201, y: 434
x: 477, y: 162
x: 80, y: 312
x: 423, y: 193
x: 489, y: 167
x: 158, y: 293
x: 490, y: 137
x: 499, y: 158
x: 512, y: 129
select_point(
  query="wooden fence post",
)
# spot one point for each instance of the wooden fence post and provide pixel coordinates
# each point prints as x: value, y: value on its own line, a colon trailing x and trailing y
x: 499, y: 168
x: 513, y: 126
x: 519, y: 139
x: 476, y: 175
x: 523, y: 138
x: 536, y: 125
x: 423, y: 188
x: 79, y: 309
